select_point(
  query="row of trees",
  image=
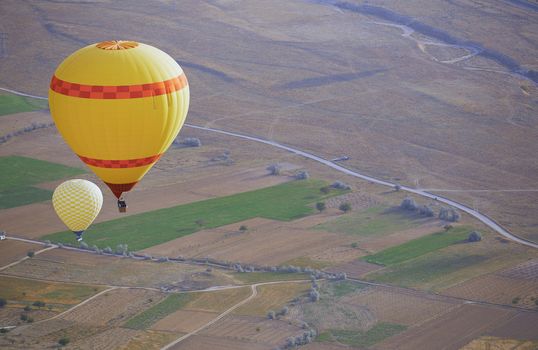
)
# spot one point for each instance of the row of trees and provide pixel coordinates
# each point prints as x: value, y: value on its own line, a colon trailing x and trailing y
x: 446, y: 214
x: 27, y: 129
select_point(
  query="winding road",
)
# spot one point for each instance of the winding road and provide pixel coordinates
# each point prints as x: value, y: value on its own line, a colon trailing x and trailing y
x: 482, y: 217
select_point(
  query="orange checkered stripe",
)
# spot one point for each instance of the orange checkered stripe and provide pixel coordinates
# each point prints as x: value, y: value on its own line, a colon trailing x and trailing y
x: 118, y: 164
x: 118, y: 92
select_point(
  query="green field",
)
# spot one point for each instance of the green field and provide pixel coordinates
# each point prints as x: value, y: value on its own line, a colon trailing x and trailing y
x: 10, y: 104
x: 372, y: 221
x: 169, y: 305
x: 284, y: 202
x: 19, y: 174
x: 60, y: 295
x: 430, y: 271
x: 379, y: 332
x: 419, y: 246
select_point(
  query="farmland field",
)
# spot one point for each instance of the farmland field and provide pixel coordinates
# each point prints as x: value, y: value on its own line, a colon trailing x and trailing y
x: 169, y: 305
x: 272, y: 297
x: 282, y: 202
x: 487, y: 342
x: 376, y: 221
x: 17, y: 190
x: 11, y: 250
x: 65, y: 265
x: 419, y: 246
x: 59, y: 295
x: 149, y: 340
x: 374, y: 335
x: 10, y: 104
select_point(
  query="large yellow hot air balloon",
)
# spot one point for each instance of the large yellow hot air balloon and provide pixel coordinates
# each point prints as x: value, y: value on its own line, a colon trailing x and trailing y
x: 119, y: 105
x: 77, y: 203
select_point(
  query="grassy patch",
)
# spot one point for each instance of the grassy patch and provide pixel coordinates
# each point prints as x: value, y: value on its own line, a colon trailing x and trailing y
x: 425, y: 269
x: 20, y: 173
x: 340, y: 288
x: 372, y: 221
x: 257, y: 277
x: 418, y: 247
x: 28, y: 291
x: 282, y: 202
x: 377, y: 333
x: 10, y: 104
x: 149, y: 317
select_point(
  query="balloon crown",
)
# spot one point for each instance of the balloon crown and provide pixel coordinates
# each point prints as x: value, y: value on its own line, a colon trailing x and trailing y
x: 117, y: 45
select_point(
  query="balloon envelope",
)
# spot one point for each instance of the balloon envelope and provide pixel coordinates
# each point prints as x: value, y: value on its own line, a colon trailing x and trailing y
x: 77, y: 203
x: 119, y: 105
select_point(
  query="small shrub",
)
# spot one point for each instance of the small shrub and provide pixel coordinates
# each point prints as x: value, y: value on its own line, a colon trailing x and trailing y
x: 200, y: 222
x: 257, y: 329
x: 474, y: 236
x: 38, y: 303
x: 340, y: 185
x: 426, y: 210
x: 84, y: 245
x: 63, y: 341
x: 354, y: 245
x: 302, y: 175
x: 449, y: 214
x: 397, y: 187
x: 27, y: 308
x: 345, y: 207
x: 516, y: 300
x: 4, y: 330
x: 243, y: 228
x: 191, y: 142
x: 107, y: 250
x: 24, y: 317
x: 448, y: 227
x: 274, y: 169
x: 271, y: 315
x: 30, y: 254
x: 325, y: 189
x: 3, y: 302
x: 314, y: 295
x: 320, y: 206
x: 409, y: 204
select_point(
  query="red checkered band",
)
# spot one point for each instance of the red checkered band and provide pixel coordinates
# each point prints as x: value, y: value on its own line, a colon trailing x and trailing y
x: 118, y: 164
x: 118, y: 92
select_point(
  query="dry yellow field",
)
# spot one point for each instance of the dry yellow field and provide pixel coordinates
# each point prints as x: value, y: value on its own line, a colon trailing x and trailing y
x: 272, y: 297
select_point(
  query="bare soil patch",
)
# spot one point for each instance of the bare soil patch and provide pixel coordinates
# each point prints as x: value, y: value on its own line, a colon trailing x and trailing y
x: 497, y: 289
x: 202, y: 342
x: 257, y: 329
x: 466, y: 321
x: 11, y: 250
x: 400, y: 307
x: 184, y: 321
x: 266, y: 242
x: 149, y: 340
x: 522, y: 326
x: 113, y: 307
x: 65, y: 265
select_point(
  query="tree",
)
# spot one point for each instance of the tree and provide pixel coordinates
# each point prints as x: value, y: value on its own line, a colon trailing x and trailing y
x: 192, y: 142
x: 474, y: 236
x: 302, y: 175
x: 271, y: 315
x: 24, y: 317
x: 107, y: 250
x: 397, y: 187
x: 38, y: 303
x: 27, y: 308
x: 345, y: 207
x: 321, y: 206
x: 449, y: 214
x: 3, y: 302
x: 426, y: 211
x: 84, y: 245
x: 340, y: 185
x: 274, y: 169
x: 408, y: 204
x: 314, y: 295
x: 63, y: 341
x: 30, y: 254
x: 325, y: 189
x: 243, y: 228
